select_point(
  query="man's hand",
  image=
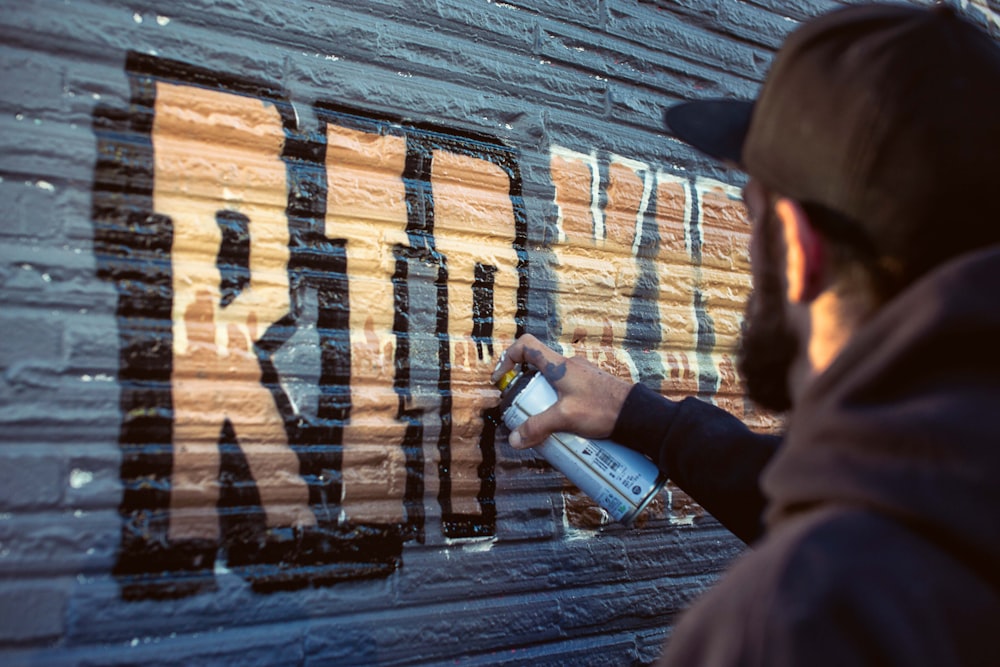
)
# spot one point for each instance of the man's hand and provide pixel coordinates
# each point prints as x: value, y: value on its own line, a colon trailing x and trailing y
x: 589, y: 398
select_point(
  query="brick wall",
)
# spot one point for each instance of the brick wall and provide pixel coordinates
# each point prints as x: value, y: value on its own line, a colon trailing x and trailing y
x: 258, y: 261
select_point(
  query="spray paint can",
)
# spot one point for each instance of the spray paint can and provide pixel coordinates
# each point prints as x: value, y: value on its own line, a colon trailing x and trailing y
x: 620, y: 480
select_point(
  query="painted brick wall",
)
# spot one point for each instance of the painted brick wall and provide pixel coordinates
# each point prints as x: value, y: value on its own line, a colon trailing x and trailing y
x: 258, y: 260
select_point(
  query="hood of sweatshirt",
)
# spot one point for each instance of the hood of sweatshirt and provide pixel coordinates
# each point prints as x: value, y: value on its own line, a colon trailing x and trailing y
x: 906, y: 420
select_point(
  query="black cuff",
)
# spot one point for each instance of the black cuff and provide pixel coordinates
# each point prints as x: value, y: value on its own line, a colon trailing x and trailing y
x: 644, y: 421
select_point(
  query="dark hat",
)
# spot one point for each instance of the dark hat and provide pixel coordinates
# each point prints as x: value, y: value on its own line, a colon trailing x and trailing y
x: 888, y: 115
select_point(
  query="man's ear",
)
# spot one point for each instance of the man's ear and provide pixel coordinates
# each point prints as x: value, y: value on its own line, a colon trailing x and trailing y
x: 805, y: 252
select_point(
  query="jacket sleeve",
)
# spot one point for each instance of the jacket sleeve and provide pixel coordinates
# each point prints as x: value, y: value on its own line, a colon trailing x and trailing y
x: 710, y: 454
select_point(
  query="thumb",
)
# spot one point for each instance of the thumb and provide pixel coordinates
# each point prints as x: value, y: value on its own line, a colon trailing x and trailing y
x: 536, y: 428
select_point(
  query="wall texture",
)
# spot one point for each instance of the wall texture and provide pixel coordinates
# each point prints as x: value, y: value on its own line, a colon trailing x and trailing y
x: 258, y: 260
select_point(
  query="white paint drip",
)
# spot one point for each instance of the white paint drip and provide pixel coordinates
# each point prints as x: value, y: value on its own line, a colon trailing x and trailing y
x: 80, y: 478
x: 704, y: 185
x: 100, y: 377
x: 642, y: 170
x: 220, y: 567
x: 574, y: 533
x: 591, y: 160
x: 666, y: 177
x: 595, y: 198
x: 470, y: 544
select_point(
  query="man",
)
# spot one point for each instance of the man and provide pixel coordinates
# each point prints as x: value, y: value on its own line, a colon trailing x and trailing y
x: 872, y: 153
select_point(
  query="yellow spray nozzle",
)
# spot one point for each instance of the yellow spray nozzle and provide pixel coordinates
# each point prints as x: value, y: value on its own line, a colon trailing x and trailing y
x: 507, y: 378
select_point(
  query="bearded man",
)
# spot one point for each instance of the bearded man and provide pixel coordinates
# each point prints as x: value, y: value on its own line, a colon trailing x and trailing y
x: 872, y: 154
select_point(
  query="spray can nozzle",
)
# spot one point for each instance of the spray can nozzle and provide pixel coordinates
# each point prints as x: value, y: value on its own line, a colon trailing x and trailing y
x: 508, y: 377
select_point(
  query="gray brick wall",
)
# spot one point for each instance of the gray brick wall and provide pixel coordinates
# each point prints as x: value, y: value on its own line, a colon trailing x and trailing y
x: 527, y: 74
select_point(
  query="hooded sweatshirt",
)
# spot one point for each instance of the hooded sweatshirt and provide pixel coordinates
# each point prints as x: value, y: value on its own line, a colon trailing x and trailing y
x: 876, y: 538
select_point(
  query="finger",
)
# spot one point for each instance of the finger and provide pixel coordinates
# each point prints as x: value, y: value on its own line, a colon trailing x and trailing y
x: 512, y: 356
x: 503, y: 366
x: 529, y: 350
x: 518, y: 353
x: 536, y: 428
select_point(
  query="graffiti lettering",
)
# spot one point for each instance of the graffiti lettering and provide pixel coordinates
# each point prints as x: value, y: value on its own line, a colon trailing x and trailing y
x: 216, y: 376
x: 366, y: 204
x: 300, y: 315
x: 308, y: 319
x: 595, y: 253
x: 644, y: 256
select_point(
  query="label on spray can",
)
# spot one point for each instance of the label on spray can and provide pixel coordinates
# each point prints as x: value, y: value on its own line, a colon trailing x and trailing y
x: 620, y: 480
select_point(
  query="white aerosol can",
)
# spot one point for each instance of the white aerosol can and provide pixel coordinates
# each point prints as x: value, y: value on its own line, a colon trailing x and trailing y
x: 620, y: 480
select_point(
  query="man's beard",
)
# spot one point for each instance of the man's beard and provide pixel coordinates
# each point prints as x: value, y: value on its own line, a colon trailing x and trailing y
x: 768, y: 345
